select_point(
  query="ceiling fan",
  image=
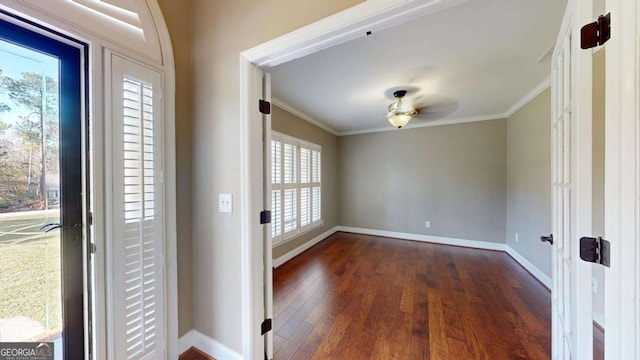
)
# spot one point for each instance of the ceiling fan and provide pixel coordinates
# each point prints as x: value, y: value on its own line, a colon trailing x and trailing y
x: 402, y: 110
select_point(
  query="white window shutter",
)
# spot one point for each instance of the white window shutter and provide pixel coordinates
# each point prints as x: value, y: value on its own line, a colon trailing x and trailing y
x: 276, y: 214
x: 290, y: 207
x: 296, y: 187
x: 136, y: 241
x: 316, y: 200
x: 290, y: 164
x: 305, y: 207
x: 305, y: 165
x: 317, y: 176
x: 276, y: 162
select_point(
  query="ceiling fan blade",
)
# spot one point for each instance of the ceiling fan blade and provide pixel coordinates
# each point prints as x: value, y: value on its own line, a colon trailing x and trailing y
x: 437, y: 109
x: 420, y: 74
x: 435, y: 101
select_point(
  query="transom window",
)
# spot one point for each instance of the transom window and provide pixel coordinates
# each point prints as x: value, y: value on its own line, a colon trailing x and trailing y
x: 296, y: 186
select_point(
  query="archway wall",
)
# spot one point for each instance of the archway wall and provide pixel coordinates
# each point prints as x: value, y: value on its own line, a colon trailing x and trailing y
x: 178, y: 18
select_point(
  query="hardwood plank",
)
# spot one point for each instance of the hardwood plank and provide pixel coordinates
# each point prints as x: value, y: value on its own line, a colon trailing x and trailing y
x: 598, y: 342
x: 194, y: 354
x: 291, y: 345
x: 365, y: 297
x: 438, y: 345
x: 292, y: 323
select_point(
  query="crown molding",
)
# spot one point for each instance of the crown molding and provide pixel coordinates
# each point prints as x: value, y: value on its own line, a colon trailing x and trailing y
x: 427, y: 124
x: 286, y: 107
x: 539, y: 89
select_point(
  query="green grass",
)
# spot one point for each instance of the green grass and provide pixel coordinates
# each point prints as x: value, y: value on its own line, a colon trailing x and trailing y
x: 30, y: 278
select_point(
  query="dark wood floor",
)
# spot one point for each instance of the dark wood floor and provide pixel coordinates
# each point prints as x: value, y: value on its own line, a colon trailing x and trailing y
x: 363, y: 297
x: 598, y: 343
x: 194, y: 354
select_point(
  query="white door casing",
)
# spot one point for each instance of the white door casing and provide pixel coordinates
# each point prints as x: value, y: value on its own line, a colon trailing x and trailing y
x: 622, y: 182
x: 572, y: 334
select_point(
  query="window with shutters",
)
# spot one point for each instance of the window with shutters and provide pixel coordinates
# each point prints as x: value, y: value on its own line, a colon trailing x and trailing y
x: 296, y: 187
x: 138, y: 256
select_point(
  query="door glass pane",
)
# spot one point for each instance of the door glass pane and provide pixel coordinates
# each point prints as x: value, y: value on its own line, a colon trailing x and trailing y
x: 30, y: 261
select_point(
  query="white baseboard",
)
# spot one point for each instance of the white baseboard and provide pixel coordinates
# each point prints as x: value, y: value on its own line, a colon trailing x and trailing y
x: 185, y: 342
x: 427, y: 238
x: 207, y: 345
x: 534, y: 270
x: 297, y: 251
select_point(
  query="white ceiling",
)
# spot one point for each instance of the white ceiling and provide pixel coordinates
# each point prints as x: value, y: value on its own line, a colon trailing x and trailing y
x: 472, y: 61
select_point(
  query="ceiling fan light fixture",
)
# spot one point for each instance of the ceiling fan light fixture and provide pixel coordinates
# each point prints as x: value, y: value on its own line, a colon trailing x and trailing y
x: 400, y: 111
x: 399, y: 120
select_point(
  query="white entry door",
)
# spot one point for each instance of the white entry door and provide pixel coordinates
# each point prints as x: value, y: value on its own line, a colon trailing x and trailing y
x: 572, y: 334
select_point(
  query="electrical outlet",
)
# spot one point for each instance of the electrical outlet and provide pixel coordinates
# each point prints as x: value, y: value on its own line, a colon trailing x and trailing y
x: 226, y: 203
x: 594, y: 285
x: 517, y: 237
x: 427, y: 224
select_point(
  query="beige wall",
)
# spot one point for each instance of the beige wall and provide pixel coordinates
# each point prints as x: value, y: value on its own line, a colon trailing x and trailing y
x: 289, y: 124
x: 177, y: 15
x: 220, y: 31
x: 529, y: 181
x: 452, y: 175
x: 598, y: 174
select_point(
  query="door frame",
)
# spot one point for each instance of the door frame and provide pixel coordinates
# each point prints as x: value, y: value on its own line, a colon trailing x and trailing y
x: 350, y: 24
x: 622, y: 181
x: 84, y: 30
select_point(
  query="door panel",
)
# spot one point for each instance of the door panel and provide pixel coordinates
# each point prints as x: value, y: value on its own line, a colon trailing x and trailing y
x: 41, y: 182
x: 268, y: 246
x: 571, y: 187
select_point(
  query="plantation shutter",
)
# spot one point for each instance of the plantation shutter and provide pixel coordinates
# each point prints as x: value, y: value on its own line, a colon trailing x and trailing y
x: 295, y: 187
x: 137, y: 262
x: 290, y: 201
x: 316, y: 198
x: 305, y: 190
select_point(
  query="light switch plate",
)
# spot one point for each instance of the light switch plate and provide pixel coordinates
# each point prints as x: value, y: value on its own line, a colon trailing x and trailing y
x: 226, y: 203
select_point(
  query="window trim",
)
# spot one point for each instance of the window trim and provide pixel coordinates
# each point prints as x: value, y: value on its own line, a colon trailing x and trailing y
x: 299, y: 144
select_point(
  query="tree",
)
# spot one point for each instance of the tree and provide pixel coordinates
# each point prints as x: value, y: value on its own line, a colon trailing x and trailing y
x: 38, y: 131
